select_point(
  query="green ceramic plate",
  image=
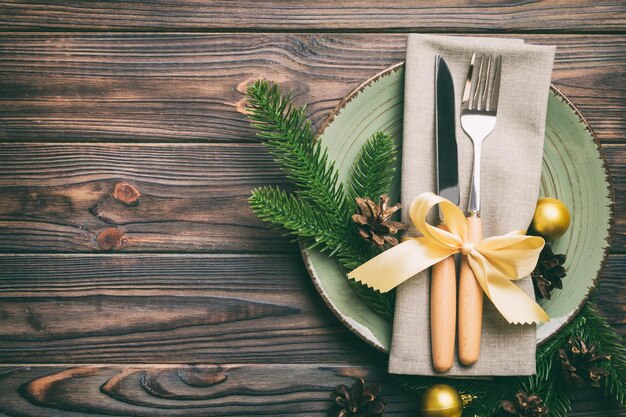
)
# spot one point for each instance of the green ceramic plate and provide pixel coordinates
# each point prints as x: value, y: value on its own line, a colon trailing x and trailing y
x: 574, y: 171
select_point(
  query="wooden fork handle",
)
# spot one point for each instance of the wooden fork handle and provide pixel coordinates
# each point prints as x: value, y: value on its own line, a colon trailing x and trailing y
x: 470, y: 303
x: 443, y: 312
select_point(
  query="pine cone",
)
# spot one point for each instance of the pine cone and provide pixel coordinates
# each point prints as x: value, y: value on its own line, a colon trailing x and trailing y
x: 360, y: 400
x: 548, y: 273
x: 525, y: 405
x: 581, y: 362
x: 375, y: 222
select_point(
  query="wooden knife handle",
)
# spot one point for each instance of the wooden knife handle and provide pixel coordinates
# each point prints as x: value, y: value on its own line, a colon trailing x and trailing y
x: 443, y: 312
x: 470, y: 303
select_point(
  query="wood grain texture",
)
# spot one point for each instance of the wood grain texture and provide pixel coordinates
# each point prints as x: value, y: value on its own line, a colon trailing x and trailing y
x: 616, y: 159
x: 189, y: 87
x: 201, y: 390
x: 194, y: 198
x: 610, y: 296
x: 140, y: 308
x: 398, y: 15
x: 58, y: 197
x: 592, y: 403
x: 189, y: 391
x: 167, y: 308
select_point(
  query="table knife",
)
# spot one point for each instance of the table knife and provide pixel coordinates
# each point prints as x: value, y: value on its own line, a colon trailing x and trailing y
x: 443, y: 274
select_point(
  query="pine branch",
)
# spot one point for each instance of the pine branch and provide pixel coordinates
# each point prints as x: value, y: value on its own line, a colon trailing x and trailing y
x: 550, y: 386
x: 374, y: 168
x: 300, y: 219
x: 547, y: 351
x: 592, y: 327
x: 297, y: 216
x: 371, y: 176
x: 597, y: 330
x: 489, y: 403
x: 320, y: 213
x: 288, y: 134
x: 556, y: 394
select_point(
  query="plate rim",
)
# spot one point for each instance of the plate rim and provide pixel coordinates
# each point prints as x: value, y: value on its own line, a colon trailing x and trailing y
x: 605, y: 166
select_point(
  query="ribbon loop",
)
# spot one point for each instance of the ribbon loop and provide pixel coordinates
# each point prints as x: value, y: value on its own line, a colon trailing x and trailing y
x: 495, y: 261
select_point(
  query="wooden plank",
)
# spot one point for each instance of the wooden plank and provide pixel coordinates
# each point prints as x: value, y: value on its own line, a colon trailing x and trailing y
x: 398, y: 15
x: 167, y: 308
x: 616, y: 159
x: 198, y: 391
x: 189, y: 391
x: 186, y: 309
x: 58, y: 197
x: 610, y: 296
x: 592, y: 402
x: 188, y: 87
x: 193, y: 198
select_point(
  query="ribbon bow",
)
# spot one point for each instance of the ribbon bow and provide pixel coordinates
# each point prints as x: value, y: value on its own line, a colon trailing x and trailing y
x: 495, y: 261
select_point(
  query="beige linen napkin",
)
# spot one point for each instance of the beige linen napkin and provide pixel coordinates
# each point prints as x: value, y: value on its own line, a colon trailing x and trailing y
x: 511, y: 169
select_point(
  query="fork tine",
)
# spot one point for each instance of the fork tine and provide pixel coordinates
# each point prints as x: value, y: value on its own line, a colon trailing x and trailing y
x: 468, y: 84
x: 492, y: 105
x: 474, y: 104
x: 485, y: 85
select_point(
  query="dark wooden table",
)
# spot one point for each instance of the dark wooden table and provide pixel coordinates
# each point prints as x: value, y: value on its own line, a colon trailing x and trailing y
x: 186, y: 305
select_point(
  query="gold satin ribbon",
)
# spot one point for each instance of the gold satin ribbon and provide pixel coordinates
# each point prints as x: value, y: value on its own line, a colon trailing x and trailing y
x: 495, y: 261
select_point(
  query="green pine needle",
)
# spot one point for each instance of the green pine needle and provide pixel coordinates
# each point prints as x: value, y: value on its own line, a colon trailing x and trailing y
x: 556, y: 395
x: 551, y: 387
x: 319, y: 212
x: 287, y: 132
x: 597, y: 330
x: 374, y: 169
x: 371, y: 176
x: 297, y: 216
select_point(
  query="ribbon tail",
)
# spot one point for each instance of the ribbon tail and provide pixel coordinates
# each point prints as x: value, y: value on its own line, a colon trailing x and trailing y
x: 510, y: 300
x: 394, y: 266
x: 515, y: 305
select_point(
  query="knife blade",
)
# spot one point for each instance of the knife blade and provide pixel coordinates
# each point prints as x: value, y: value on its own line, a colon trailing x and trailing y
x: 445, y: 133
x: 443, y: 274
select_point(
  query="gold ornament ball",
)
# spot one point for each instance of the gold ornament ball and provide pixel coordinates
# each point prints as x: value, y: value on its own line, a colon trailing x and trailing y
x: 551, y: 219
x: 440, y: 400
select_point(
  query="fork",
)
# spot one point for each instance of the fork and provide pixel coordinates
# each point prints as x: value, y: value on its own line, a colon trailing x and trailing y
x: 479, y: 107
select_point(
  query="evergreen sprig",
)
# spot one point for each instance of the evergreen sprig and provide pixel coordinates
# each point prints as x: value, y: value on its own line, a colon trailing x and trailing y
x: 374, y: 169
x: 597, y: 330
x: 552, y: 389
x: 287, y: 133
x: 318, y: 212
x: 298, y: 216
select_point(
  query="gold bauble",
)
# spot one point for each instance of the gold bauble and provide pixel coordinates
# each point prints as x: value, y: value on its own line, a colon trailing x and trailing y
x: 551, y: 219
x: 440, y: 400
